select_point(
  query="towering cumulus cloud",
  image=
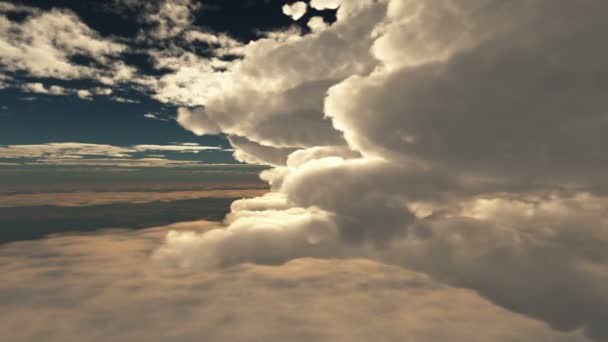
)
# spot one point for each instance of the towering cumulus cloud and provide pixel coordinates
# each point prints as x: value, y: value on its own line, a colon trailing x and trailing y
x: 461, y: 139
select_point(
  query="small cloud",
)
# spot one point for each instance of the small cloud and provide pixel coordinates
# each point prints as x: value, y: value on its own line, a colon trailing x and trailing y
x: 295, y: 10
x: 154, y: 116
x: 84, y: 94
x: 317, y: 24
x: 102, y: 91
x: 123, y: 100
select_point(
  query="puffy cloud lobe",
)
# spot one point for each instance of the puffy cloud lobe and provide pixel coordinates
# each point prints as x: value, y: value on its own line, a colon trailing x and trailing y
x: 491, y: 120
x: 254, y: 153
x: 544, y: 257
x: 325, y: 4
x: 317, y: 24
x: 295, y: 10
x: 197, y: 121
x: 280, y: 236
x: 267, y: 98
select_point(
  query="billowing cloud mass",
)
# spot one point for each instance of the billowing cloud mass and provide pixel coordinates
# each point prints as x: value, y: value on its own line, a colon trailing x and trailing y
x: 106, y: 287
x: 460, y: 139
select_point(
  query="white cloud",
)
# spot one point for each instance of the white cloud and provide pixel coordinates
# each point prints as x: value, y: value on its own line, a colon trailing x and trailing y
x: 40, y: 88
x: 102, y: 91
x: 171, y: 18
x: 177, y: 148
x: 154, y: 116
x: 71, y: 153
x: 43, y: 44
x: 295, y: 10
x: 84, y: 94
x: 317, y: 24
x: 325, y: 4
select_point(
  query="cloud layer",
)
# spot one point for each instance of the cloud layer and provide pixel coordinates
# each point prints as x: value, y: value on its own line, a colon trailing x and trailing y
x: 73, y: 153
x: 448, y: 138
x: 106, y: 286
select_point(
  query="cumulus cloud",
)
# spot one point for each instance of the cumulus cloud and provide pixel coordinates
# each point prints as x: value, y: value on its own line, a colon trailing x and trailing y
x: 295, y: 10
x: 105, y: 286
x: 317, y: 24
x: 456, y: 138
x: 43, y: 44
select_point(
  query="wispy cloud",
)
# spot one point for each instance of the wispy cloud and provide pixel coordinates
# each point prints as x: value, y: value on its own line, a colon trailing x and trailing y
x: 92, y: 198
x: 154, y: 116
x: 72, y: 153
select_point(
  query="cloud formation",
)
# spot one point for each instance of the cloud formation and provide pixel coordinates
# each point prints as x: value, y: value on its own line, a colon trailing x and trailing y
x: 92, y: 198
x: 44, y: 43
x: 106, y: 286
x: 73, y: 153
x: 456, y: 138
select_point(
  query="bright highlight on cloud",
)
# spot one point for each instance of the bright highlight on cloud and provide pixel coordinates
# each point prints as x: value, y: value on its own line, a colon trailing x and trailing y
x: 295, y: 10
x: 325, y: 4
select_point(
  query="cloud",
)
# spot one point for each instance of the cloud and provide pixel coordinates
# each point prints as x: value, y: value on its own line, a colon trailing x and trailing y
x: 40, y: 88
x: 105, y: 286
x: 44, y: 42
x: 84, y: 94
x: 325, y: 4
x: 154, y: 116
x: 72, y: 153
x: 458, y: 138
x: 171, y: 18
x: 93, y: 198
x: 317, y: 24
x: 295, y: 10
